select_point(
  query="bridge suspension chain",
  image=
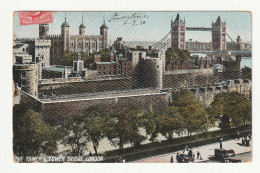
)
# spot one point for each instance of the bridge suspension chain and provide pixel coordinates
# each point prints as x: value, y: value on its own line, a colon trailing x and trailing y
x: 157, y: 44
x: 230, y: 38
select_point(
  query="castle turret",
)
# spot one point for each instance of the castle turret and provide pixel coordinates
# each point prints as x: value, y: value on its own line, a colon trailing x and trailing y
x: 103, y: 32
x: 43, y: 30
x: 178, y: 30
x: 26, y: 77
x: 82, y: 28
x: 65, y: 34
x: 78, y: 65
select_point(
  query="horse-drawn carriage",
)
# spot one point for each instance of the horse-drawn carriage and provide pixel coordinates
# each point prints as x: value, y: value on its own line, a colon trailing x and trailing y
x: 184, y: 158
x: 223, y: 155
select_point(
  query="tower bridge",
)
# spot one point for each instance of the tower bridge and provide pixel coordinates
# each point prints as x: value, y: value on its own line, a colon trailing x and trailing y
x: 178, y: 32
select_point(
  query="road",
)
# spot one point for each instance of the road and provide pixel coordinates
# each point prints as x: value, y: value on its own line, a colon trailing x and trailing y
x: 206, y: 151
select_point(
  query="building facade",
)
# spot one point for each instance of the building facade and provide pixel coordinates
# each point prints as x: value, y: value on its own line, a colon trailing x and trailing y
x: 75, y: 43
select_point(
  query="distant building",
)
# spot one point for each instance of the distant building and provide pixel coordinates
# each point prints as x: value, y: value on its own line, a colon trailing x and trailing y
x: 238, y: 45
x: 76, y: 43
x: 198, y: 46
x: 21, y: 54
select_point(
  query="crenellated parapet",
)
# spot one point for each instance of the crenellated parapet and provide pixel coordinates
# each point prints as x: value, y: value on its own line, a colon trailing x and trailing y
x: 206, y: 94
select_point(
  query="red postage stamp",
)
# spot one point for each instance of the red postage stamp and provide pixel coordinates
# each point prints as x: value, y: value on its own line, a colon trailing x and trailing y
x: 35, y: 17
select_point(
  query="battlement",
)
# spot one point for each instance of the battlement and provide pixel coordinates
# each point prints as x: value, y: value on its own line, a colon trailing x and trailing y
x: 204, y: 70
x: 206, y: 94
x: 86, y: 36
x: 54, y: 36
x: 43, y: 42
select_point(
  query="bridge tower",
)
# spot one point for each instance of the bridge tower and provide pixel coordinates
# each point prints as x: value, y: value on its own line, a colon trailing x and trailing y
x: 219, y: 41
x: 178, y: 30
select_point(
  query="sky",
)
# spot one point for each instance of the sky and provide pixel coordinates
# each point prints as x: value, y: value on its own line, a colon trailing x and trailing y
x: 149, y: 26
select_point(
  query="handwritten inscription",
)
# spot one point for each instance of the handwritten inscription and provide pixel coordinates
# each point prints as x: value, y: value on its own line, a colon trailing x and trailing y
x: 133, y: 19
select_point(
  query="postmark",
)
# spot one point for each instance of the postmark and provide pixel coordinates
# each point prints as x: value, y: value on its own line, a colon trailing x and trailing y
x: 35, y: 17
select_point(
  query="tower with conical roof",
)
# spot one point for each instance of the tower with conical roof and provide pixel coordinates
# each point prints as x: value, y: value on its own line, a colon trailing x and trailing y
x: 43, y: 30
x: 103, y: 33
x: 178, y: 30
x: 65, y: 34
x: 82, y: 27
x: 219, y: 35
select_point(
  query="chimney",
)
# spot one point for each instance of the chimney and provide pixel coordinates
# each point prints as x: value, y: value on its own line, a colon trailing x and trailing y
x: 201, y: 63
x: 112, y: 57
x: 97, y: 58
x: 212, y: 61
x: 196, y: 59
x: 207, y: 59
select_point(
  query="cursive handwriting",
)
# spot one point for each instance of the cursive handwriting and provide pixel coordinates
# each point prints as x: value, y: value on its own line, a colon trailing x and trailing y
x: 133, y: 19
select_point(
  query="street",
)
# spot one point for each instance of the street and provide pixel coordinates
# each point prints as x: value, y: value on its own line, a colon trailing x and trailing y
x: 206, y: 151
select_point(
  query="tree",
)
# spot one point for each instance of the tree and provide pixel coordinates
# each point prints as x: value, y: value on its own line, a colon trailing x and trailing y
x: 68, y: 58
x: 150, y: 124
x: 87, y: 58
x: 32, y: 136
x: 105, y: 55
x: 233, y: 109
x: 194, y: 116
x: 73, y: 133
x: 94, y: 124
x: 246, y: 73
x: 123, y: 128
x: 177, y: 54
x: 170, y: 121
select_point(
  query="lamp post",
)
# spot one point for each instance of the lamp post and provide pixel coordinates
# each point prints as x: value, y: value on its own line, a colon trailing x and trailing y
x: 220, y: 143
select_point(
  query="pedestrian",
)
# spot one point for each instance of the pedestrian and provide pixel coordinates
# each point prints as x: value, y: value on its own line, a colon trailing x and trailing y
x: 198, y: 154
x: 171, y: 159
x: 243, y: 141
x: 177, y: 157
x: 90, y: 154
x: 220, y: 144
x: 238, y: 136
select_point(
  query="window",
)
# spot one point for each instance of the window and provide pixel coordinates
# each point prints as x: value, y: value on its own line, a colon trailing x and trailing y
x: 42, y: 57
x: 54, y: 93
x: 79, y: 44
x: 72, y: 44
x: 23, y: 83
x: 44, y: 93
x: 23, y: 74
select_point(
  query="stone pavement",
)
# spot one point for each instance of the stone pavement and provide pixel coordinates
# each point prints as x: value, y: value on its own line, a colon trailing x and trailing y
x: 206, y: 151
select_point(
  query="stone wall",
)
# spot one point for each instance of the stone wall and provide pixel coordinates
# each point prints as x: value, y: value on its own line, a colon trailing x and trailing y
x: 85, y: 86
x: 54, y: 111
x: 206, y: 94
x: 188, y: 78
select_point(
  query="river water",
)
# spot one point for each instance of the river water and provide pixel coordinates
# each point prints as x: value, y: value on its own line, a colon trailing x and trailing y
x: 246, y: 61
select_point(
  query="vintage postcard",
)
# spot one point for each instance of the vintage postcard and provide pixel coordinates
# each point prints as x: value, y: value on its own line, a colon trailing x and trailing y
x: 132, y: 86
